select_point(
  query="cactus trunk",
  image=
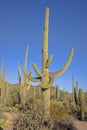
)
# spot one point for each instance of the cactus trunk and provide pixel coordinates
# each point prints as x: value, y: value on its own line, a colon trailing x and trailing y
x: 45, y: 72
x: 57, y: 92
x: 46, y: 101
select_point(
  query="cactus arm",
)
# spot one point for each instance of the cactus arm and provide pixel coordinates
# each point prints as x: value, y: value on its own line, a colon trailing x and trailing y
x: 58, y: 73
x: 35, y: 79
x: 49, y: 61
x: 37, y: 70
x: 19, y: 74
x: 26, y: 56
x: 19, y: 70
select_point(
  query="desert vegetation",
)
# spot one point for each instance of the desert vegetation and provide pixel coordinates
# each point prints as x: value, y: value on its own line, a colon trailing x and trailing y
x: 45, y: 106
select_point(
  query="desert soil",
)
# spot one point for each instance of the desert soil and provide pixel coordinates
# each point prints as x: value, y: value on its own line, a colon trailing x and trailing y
x: 10, y: 117
x: 80, y: 125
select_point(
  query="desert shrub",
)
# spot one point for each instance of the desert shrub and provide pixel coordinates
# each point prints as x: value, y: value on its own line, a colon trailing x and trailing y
x: 8, y: 109
x: 74, y: 110
x: 36, y: 101
x: 14, y: 96
x: 33, y: 118
x: 58, y: 110
x: 2, y: 120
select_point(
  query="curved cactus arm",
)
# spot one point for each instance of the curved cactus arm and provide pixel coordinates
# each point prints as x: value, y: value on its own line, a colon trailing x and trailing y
x: 37, y: 70
x: 36, y: 79
x: 49, y: 61
x: 26, y: 57
x: 58, y: 73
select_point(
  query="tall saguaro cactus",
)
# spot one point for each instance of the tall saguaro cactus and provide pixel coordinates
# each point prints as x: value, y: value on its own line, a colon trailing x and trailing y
x: 45, y: 77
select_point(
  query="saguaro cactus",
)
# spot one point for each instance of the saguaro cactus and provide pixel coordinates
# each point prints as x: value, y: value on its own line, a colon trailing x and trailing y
x: 25, y: 64
x: 24, y: 86
x: 73, y: 87
x: 3, y: 83
x: 76, y: 93
x: 47, y: 78
x: 57, y: 92
x: 81, y: 102
x: 8, y: 84
x: 3, y: 69
x: 19, y: 74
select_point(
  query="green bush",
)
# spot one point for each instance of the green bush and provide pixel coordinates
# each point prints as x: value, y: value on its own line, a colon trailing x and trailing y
x: 58, y: 110
x: 2, y: 120
x: 13, y: 96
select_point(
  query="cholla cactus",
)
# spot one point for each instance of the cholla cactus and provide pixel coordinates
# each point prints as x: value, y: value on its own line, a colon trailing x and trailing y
x: 81, y: 102
x: 45, y: 77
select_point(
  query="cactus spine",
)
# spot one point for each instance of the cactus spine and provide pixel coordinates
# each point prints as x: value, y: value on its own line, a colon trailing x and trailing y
x: 81, y: 102
x: 45, y: 77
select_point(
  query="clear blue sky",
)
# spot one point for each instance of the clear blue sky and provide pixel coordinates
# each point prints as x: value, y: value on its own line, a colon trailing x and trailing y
x: 22, y: 23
